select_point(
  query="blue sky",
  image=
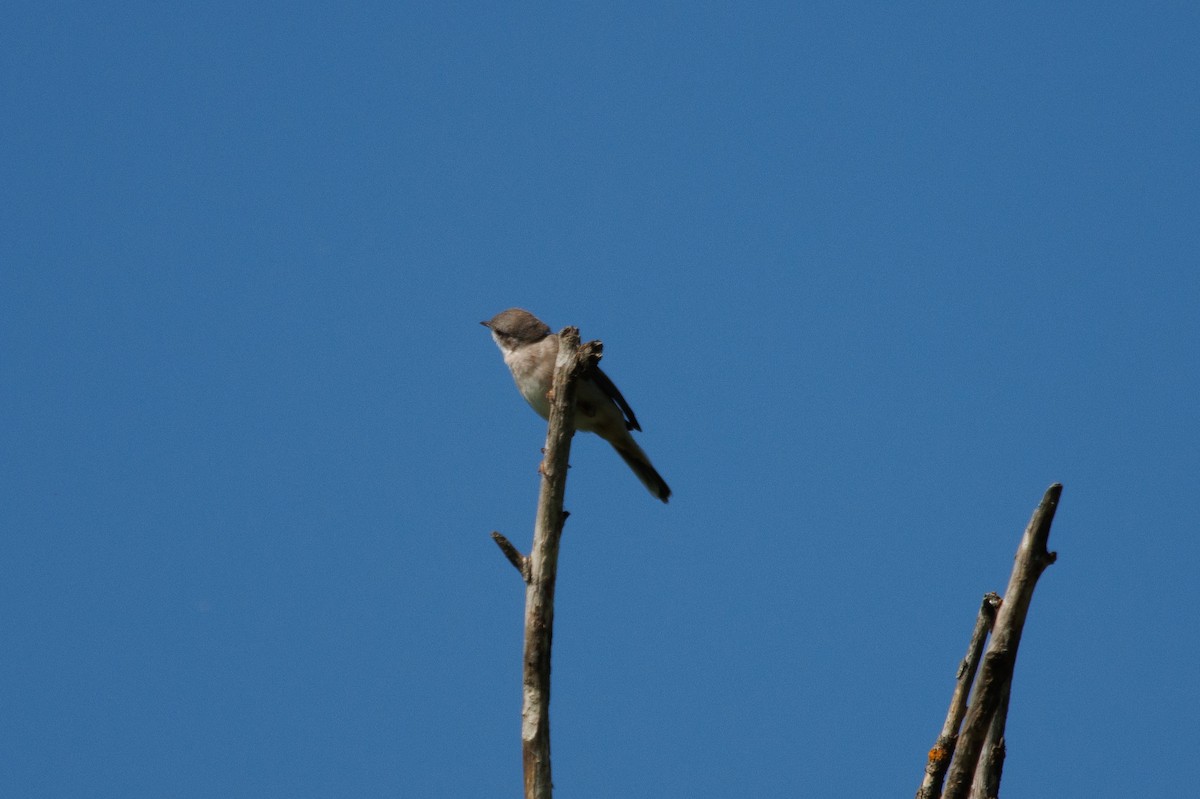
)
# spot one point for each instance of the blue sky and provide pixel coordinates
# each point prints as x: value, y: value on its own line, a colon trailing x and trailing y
x: 872, y: 277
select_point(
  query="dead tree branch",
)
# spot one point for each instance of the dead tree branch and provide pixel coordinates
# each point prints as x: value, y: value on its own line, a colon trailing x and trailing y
x: 991, y: 760
x: 943, y: 748
x: 539, y: 569
x: 995, y: 677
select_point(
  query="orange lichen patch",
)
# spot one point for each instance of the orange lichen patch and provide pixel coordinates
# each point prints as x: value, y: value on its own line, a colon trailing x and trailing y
x: 938, y: 753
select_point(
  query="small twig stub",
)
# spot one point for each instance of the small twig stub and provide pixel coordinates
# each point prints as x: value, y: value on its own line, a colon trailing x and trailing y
x: 519, y: 561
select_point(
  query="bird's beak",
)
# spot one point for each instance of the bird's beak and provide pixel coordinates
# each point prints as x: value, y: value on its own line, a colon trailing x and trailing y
x: 486, y: 324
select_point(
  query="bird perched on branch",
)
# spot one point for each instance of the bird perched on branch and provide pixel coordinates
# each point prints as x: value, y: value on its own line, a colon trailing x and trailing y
x: 530, y: 350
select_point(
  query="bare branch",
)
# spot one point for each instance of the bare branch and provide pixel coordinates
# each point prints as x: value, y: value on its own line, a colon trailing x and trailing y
x: 543, y: 562
x: 991, y: 759
x: 996, y: 674
x: 513, y: 554
x: 943, y: 748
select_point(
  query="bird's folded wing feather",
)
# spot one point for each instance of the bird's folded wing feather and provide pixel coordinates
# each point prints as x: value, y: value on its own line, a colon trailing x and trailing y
x: 606, y: 385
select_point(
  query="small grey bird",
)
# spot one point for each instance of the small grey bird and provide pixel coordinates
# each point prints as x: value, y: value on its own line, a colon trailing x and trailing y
x: 530, y: 350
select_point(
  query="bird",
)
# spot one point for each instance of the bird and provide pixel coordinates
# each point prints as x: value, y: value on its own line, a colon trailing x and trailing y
x: 530, y: 350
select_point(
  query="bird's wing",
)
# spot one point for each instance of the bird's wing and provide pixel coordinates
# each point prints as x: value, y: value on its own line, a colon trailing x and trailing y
x: 606, y: 385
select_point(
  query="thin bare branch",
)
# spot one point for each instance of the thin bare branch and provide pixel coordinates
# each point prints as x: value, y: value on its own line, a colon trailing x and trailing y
x: 998, y: 662
x: 943, y: 748
x: 543, y: 563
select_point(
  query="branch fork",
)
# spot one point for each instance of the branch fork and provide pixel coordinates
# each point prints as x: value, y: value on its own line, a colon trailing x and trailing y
x: 970, y: 760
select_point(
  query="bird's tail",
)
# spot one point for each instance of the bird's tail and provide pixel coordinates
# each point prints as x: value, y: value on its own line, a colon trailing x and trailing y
x: 632, y: 454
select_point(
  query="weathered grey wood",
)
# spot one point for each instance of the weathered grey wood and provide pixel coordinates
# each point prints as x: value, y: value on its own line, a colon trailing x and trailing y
x: 943, y: 747
x: 996, y: 674
x: 540, y: 568
x: 991, y: 759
